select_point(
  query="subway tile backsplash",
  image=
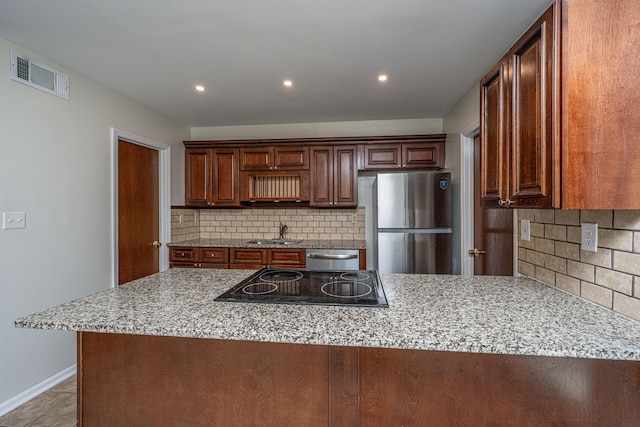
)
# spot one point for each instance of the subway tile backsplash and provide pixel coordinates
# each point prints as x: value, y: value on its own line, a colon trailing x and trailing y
x: 609, y: 277
x: 315, y: 224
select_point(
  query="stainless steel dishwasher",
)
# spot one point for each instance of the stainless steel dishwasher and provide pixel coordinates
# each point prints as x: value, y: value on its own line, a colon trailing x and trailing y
x: 333, y: 259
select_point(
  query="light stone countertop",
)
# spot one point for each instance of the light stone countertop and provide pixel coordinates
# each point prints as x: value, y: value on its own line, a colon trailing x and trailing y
x: 480, y: 314
x: 244, y: 243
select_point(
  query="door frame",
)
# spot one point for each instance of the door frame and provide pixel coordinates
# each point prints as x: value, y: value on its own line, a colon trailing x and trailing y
x: 164, y: 188
x: 467, y: 205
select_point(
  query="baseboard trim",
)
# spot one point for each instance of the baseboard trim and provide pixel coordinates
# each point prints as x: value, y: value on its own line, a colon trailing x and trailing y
x: 25, y: 396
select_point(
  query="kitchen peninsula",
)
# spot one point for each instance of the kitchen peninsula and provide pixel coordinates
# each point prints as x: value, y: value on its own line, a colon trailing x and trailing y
x: 448, y: 349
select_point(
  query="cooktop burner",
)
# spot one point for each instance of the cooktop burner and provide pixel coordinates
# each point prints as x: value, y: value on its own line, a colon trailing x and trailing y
x: 361, y: 288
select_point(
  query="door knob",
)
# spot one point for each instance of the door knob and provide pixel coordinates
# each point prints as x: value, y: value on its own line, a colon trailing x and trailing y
x: 156, y: 244
x: 476, y: 252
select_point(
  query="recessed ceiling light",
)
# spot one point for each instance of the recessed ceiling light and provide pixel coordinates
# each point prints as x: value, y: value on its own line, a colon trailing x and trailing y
x: 287, y: 83
x: 382, y: 78
x: 200, y: 88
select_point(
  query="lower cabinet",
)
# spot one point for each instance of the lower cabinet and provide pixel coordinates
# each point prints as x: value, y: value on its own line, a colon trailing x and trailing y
x: 194, y: 257
x: 237, y: 258
x: 254, y: 258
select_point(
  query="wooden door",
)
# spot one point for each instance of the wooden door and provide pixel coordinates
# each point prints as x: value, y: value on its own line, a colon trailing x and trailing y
x: 493, y: 231
x: 423, y: 155
x: 531, y: 177
x: 345, y: 176
x: 382, y: 156
x: 138, y: 212
x: 198, y: 177
x: 494, y: 131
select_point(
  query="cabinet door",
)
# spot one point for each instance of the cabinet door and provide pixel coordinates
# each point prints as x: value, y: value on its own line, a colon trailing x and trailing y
x: 247, y: 256
x: 531, y: 174
x: 197, y: 177
x: 294, y: 258
x: 345, y: 176
x: 321, y: 171
x: 422, y: 155
x: 225, y: 178
x: 494, y: 134
x: 383, y: 156
x: 291, y: 158
x: 256, y: 158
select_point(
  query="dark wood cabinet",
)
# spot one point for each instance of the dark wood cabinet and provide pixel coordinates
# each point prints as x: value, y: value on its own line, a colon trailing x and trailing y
x: 274, y: 158
x: 255, y: 258
x: 195, y: 257
x: 516, y: 126
x: 334, y: 176
x: 559, y: 112
x: 211, y: 177
x: 287, y: 258
x: 403, y: 156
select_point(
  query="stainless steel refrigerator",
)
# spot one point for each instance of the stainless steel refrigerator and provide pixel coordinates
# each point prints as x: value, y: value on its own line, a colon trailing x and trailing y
x: 413, y: 222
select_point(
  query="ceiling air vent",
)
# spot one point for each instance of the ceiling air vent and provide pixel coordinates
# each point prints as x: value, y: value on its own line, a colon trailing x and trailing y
x: 39, y: 76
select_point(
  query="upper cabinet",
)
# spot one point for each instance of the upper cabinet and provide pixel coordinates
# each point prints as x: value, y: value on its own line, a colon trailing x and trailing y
x: 516, y: 123
x: 334, y: 176
x: 600, y: 104
x: 316, y: 172
x: 560, y: 119
x: 274, y: 158
x: 211, y: 177
x: 403, y: 156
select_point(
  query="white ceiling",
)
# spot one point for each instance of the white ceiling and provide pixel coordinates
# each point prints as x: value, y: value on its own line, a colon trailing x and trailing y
x: 156, y: 51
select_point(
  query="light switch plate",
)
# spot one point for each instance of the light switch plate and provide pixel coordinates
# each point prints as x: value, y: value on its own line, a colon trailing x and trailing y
x: 589, y: 237
x: 525, y: 230
x: 13, y: 220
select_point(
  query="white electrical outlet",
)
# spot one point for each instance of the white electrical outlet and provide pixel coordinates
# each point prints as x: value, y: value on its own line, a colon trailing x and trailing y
x: 12, y: 220
x: 589, y: 237
x: 525, y: 230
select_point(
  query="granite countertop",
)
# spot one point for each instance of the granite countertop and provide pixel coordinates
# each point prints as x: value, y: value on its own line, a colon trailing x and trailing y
x: 480, y: 314
x: 245, y: 243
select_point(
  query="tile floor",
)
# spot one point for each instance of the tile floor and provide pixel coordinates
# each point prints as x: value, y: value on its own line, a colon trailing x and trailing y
x: 56, y: 407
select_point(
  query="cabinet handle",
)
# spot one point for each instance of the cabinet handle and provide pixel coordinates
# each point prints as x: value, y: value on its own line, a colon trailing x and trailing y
x: 507, y: 203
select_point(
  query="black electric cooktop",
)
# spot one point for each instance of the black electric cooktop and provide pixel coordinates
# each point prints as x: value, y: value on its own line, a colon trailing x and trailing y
x: 361, y: 288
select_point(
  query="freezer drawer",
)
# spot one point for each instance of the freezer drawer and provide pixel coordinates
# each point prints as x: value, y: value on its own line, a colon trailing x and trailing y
x: 428, y: 253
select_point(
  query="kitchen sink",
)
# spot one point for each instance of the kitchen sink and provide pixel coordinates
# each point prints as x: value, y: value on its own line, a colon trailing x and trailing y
x: 274, y: 241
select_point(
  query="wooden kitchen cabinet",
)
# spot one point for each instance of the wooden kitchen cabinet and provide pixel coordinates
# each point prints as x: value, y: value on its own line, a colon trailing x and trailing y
x: 334, y: 176
x: 195, y: 257
x: 211, y: 177
x: 255, y: 258
x: 287, y: 258
x: 403, y: 156
x: 517, y: 116
x: 559, y: 119
x: 274, y: 158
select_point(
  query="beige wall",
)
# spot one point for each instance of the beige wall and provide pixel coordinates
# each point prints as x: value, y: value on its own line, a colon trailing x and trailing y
x: 56, y: 166
x: 609, y: 277
x: 322, y: 129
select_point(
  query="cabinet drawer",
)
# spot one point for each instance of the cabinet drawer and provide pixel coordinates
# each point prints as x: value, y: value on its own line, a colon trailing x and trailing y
x: 215, y: 255
x: 248, y: 256
x: 287, y: 257
x: 179, y: 254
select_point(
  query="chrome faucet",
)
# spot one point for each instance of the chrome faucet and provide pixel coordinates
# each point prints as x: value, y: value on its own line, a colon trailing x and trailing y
x: 283, y: 228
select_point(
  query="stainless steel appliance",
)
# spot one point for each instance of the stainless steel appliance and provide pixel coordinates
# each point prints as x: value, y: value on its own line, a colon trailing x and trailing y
x: 361, y: 288
x: 412, y: 222
x: 333, y: 259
